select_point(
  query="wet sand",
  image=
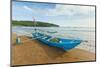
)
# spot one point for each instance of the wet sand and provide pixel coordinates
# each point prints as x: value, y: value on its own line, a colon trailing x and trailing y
x: 34, y: 52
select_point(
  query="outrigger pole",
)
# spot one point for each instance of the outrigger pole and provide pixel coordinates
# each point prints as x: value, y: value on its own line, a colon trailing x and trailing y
x: 34, y: 23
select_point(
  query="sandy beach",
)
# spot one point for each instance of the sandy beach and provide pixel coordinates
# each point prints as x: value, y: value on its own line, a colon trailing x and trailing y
x: 34, y: 52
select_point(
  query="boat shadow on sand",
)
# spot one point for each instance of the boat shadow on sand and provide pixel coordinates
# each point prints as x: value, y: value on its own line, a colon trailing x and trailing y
x: 52, y: 52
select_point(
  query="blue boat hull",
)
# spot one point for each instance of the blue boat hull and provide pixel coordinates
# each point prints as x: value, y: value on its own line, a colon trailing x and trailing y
x: 65, y: 44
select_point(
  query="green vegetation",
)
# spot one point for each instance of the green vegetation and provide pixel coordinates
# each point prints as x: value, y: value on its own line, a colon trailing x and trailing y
x: 30, y: 23
x: 54, y: 40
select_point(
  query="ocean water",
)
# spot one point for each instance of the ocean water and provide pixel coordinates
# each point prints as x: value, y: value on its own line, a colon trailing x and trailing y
x: 83, y: 33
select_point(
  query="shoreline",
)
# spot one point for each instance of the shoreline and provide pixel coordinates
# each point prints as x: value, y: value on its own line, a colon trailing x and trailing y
x: 34, y: 52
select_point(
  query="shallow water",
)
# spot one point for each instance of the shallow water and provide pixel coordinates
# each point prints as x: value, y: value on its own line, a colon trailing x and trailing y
x: 83, y: 33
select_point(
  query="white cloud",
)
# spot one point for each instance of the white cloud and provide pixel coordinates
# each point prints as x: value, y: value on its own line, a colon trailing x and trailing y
x: 75, y: 23
x: 36, y: 10
x: 70, y: 10
x: 28, y: 8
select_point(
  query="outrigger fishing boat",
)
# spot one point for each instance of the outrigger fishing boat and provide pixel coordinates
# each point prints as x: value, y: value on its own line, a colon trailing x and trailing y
x: 65, y: 44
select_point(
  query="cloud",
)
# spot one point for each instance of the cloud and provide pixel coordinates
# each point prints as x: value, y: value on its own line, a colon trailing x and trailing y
x: 28, y: 8
x: 70, y: 10
x: 75, y: 23
x: 42, y: 12
x: 60, y: 10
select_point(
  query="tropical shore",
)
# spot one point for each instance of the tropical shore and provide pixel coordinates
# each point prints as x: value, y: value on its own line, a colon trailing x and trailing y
x: 34, y: 52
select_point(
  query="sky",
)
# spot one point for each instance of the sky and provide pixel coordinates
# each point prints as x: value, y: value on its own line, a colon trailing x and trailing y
x: 60, y: 14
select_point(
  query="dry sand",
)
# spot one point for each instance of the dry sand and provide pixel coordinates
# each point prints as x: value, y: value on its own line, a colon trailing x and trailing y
x: 35, y: 52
